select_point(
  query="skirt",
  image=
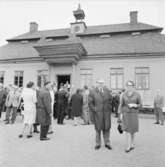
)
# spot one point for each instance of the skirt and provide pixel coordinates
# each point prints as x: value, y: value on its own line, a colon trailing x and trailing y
x: 29, y: 115
x: 130, y: 122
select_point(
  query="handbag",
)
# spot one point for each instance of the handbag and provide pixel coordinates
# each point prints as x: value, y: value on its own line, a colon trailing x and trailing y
x: 119, y: 127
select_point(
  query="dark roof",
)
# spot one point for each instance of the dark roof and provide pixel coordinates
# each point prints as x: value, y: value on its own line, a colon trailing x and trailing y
x: 117, y: 44
x: 129, y: 44
x: 17, y: 51
x: 99, y: 29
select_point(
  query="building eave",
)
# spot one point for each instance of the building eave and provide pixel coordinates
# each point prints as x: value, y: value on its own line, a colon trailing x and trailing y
x: 22, y: 60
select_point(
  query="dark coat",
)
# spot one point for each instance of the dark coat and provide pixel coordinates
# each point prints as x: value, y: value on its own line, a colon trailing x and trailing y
x: 3, y: 95
x: 61, y: 101
x: 100, y: 105
x: 76, y: 104
x: 44, y: 108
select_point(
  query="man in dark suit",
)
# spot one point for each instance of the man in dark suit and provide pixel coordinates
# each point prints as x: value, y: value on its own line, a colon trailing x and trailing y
x: 44, y: 110
x: 100, y: 105
x: 61, y: 98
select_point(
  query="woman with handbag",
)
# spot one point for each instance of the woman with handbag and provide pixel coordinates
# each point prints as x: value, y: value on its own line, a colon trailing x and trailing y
x: 130, y: 101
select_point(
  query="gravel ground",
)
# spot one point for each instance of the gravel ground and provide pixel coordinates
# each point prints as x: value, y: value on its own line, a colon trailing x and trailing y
x: 73, y: 146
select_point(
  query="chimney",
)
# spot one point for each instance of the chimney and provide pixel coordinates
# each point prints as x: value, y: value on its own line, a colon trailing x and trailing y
x: 33, y: 27
x: 133, y: 17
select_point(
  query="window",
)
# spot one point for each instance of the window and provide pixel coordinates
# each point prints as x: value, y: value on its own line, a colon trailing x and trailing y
x: 2, y: 73
x: 18, y: 78
x: 86, y: 77
x: 42, y: 77
x: 116, y: 78
x: 142, y: 78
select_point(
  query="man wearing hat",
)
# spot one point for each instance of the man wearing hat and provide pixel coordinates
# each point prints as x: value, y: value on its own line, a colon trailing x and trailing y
x: 44, y: 110
x: 100, y: 105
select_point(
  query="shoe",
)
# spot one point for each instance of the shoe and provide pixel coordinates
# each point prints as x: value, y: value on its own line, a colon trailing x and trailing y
x: 132, y: 148
x: 29, y: 136
x: 128, y: 150
x: 156, y: 123
x: 36, y: 131
x: 51, y: 132
x: 7, y: 122
x: 46, y: 138
x: 20, y: 136
x: 97, y: 147
x: 108, y: 147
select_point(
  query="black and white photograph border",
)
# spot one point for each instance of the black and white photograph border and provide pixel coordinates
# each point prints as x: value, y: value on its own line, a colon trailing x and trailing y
x: 78, y: 79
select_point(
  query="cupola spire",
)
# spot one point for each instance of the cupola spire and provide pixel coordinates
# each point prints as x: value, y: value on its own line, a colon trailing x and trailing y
x: 79, y: 13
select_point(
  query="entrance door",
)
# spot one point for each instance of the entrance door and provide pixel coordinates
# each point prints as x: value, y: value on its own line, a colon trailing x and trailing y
x: 63, y: 79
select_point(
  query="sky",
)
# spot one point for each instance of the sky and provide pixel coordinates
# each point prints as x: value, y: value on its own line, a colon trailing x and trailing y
x: 15, y: 15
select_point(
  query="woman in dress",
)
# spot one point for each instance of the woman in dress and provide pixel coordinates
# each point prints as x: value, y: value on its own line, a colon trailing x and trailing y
x: 130, y: 101
x: 29, y: 99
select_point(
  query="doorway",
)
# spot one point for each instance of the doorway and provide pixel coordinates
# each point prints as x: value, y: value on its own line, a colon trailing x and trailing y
x: 62, y: 79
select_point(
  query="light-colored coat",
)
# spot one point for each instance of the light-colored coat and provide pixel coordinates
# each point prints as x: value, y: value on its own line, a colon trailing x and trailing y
x: 29, y: 100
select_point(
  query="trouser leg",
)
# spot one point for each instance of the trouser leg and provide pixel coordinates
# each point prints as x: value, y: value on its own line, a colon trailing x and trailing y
x: 1, y: 111
x: 106, y: 134
x: 62, y: 115
x: 156, y: 115
x: 35, y: 127
x: 98, y: 137
x: 59, y: 115
x: 41, y: 131
x: 161, y: 117
x: 85, y: 117
x: 44, y: 131
x: 51, y: 125
x: 14, y: 114
x: 8, y: 111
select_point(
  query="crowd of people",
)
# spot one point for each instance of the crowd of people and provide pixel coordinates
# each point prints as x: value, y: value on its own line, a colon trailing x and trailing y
x: 40, y: 106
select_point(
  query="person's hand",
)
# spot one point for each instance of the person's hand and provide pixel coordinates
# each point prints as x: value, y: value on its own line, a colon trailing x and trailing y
x: 133, y: 105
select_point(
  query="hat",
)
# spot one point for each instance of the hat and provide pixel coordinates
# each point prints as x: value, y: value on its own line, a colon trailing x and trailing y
x: 100, y: 81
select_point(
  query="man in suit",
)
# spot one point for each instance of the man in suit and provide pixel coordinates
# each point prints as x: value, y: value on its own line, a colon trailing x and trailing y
x: 100, y: 105
x: 44, y: 110
x: 61, y: 98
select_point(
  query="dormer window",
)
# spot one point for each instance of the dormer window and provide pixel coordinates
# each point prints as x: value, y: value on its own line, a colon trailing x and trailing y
x: 24, y: 41
x: 105, y: 36
x: 135, y: 33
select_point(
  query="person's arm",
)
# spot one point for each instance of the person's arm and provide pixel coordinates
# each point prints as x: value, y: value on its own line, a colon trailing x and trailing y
x: 139, y: 101
x: 7, y: 98
x: 91, y: 102
x: 121, y: 103
x: 35, y: 97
